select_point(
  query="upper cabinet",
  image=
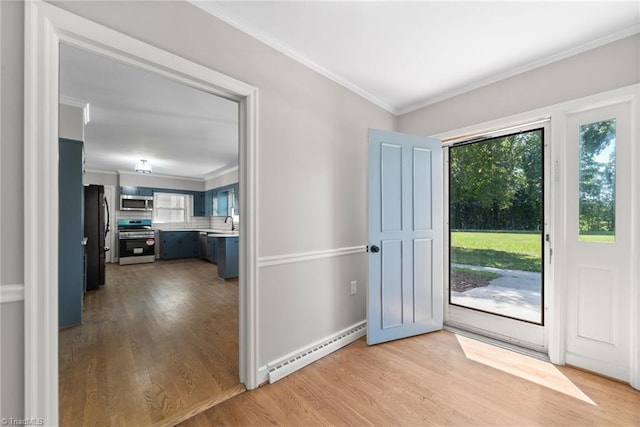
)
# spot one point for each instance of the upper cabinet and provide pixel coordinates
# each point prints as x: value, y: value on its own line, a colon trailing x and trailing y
x: 128, y: 190
x: 227, y: 200
x: 199, y: 204
x: 209, y: 197
x: 222, y: 201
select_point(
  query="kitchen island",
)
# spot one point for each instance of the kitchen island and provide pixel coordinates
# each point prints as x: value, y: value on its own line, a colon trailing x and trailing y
x: 220, y: 247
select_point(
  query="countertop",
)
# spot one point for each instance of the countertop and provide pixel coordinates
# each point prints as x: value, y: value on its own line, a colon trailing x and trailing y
x: 210, y: 231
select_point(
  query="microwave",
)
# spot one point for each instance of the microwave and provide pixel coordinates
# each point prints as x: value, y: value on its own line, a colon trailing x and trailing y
x: 136, y: 203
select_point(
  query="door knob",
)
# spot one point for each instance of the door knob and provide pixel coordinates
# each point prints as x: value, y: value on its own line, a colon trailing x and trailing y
x: 375, y: 249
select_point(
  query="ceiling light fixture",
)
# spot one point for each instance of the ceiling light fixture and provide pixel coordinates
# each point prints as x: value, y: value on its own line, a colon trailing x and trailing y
x: 143, y: 167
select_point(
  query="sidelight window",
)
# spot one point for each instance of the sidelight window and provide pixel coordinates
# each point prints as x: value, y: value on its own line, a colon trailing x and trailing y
x: 597, y: 182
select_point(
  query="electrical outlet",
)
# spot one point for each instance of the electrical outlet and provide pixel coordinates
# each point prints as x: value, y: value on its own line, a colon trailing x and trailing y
x: 354, y: 287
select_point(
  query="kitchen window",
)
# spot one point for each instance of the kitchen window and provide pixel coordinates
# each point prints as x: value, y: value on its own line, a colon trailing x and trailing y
x: 170, y: 207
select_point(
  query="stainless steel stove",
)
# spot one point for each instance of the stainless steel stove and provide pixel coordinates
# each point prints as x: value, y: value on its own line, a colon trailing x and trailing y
x: 136, y: 240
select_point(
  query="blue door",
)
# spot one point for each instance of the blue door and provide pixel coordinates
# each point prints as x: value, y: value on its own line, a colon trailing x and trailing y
x: 405, y: 294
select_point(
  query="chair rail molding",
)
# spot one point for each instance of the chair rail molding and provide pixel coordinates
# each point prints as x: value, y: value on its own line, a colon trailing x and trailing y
x: 269, y: 261
x: 11, y: 293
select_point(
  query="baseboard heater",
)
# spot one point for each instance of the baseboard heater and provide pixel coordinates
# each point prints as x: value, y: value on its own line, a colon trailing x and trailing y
x: 282, y: 368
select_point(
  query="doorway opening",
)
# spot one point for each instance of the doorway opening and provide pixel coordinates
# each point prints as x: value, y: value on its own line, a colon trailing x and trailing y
x: 497, y: 214
x: 169, y: 323
x: 46, y: 27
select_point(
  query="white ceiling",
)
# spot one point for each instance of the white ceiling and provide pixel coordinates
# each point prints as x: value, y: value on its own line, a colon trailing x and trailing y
x: 400, y: 55
x: 138, y: 115
x: 404, y: 55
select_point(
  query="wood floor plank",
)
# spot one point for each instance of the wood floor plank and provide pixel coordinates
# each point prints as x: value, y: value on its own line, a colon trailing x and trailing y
x: 431, y: 379
x: 159, y: 343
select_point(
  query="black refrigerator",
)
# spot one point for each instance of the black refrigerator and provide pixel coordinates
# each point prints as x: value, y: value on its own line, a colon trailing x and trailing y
x: 96, y: 212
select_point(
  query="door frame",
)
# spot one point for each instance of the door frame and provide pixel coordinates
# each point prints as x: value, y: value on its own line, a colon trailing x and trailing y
x: 46, y: 26
x: 557, y: 292
x: 522, y: 333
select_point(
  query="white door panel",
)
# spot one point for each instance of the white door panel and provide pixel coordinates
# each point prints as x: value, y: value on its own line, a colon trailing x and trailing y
x: 598, y: 272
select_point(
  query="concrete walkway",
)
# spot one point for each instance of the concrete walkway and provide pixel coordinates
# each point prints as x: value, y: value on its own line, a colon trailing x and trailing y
x: 515, y: 294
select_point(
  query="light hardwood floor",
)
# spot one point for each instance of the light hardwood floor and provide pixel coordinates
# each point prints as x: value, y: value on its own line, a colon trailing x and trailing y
x: 433, y: 379
x: 159, y: 343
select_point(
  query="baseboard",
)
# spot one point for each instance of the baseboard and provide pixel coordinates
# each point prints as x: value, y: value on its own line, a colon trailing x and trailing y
x: 11, y: 293
x: 620, y: 373
x: 294, y: 361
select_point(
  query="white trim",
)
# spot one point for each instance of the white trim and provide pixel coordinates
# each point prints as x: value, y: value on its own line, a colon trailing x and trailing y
x: 634, y: 375
x: 556, y: 311
x: 45, y: 27
x: 158, y: 175
x: 269, y: 261
x: 103, y: 172
x: 73, y: 102
x: 11, y: 293
x: 298, y: 359
x: 220, y: 173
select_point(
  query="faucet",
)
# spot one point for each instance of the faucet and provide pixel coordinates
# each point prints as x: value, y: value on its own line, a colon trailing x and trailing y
x: 233, y: 227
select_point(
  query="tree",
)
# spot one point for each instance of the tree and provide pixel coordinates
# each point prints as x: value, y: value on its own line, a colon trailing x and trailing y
x: 597, y: 176
x: 497, y: 183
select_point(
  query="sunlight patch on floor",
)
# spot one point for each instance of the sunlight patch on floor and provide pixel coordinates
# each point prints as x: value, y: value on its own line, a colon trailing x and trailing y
x: 525, y: 367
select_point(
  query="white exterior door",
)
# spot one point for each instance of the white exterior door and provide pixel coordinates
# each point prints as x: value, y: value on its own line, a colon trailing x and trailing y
x: 598, y: 240
x: 405, y: 294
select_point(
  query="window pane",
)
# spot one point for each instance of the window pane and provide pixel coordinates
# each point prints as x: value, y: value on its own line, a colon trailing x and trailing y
x: 169, y: 215
x: 495, y: 214
x: 170, y: 207
x: 166, y: 200
x: 597, y: 181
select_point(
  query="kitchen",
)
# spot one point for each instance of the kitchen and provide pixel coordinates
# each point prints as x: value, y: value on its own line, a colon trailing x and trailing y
x: 160, y: 188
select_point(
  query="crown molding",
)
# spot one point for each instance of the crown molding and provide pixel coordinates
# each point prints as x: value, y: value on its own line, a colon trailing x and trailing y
x: 216, y: 174
x: 212, y: 9
x: 159, y: 175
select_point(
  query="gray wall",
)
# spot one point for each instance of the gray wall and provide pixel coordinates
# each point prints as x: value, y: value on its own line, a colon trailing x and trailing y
x: 312, y: 167
x: 12, y: 358
x: 99, y: 178
x: 141, y: 180
x: 608, y: 67
x: 71, y: 122
x: 11, y: 218
x: 312, y: 159
x: 221, y: 180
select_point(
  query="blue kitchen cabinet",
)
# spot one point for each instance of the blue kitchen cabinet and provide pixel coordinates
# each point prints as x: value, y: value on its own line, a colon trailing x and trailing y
x: 179, y: 244
x: 199, y: 204
x: 212, y: 244
x: 208, y: 203
x: 223, y: 207
x: 70, y: 232
x: 227, y: 251
x: 130, y: 190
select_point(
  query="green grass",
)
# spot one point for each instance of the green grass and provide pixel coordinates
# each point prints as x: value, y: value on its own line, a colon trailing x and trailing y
x: 597, y: 237
x: 513, y: 251
x: 490, y: 275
